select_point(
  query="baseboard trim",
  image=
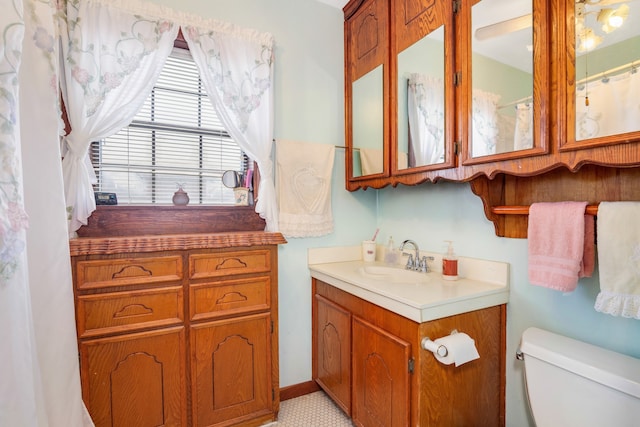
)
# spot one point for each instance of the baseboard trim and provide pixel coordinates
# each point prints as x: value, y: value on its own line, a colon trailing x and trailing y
x: 297, y: 390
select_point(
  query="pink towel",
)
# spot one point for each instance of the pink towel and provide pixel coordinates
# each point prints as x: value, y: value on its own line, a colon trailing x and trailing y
x: 589, y: 256
x: 557, y: 245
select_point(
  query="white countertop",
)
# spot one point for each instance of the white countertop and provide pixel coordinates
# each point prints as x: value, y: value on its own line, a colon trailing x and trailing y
x: 481, y: 283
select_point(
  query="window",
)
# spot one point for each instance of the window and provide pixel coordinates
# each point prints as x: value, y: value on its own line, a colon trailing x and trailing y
x: 175, y: 140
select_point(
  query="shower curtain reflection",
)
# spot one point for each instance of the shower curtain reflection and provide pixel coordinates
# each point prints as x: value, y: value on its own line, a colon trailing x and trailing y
x: 426, y: 120
x: 613, y: 106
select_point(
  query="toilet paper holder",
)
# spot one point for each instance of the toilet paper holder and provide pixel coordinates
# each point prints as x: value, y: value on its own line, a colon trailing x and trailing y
x: 438, y: 349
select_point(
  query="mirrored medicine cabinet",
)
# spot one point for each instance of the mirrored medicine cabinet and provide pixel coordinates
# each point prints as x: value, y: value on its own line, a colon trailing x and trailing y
x: 454, y: 89
x: 425, y: 58
x: 603, y: 72
x: 405, y: 111
x: 505, y: 112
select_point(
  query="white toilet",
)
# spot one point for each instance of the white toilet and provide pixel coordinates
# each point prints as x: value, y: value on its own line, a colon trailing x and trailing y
x: 572, y: 383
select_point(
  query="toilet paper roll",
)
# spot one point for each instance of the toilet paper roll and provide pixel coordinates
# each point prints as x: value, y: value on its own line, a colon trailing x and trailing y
x: 461, y: 348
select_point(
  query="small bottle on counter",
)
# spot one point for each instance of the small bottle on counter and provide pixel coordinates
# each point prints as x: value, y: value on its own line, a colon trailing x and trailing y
x: 390, y: 254
x: 450, y: 263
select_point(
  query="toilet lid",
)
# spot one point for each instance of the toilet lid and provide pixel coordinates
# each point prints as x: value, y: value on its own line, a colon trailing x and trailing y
x: 607, y: 367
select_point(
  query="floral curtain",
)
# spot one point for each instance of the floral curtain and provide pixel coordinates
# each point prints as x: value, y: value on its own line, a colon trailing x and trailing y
x: 12, y: 216
x: 17, y: 393
x: 113, y: 51
x: 40, y: 383
x: 426, y: 119
x: 236, y: 67
x: 484, y: 123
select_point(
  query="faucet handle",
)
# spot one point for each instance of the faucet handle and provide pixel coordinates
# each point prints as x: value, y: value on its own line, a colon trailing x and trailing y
x: 410, y: 263
x: 423, y: 266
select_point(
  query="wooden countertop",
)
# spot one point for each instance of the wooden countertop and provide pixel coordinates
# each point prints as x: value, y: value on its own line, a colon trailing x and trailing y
x: 169, y: 242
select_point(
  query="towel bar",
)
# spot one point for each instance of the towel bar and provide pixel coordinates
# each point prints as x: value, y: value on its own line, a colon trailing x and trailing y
x: 524, y: 210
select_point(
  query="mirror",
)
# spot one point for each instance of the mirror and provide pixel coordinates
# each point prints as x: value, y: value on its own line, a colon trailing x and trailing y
x: 368, y: 123
x: 232, y: 179
x: 607, y: 69
x: 421, y: 99
x: 502, y: 77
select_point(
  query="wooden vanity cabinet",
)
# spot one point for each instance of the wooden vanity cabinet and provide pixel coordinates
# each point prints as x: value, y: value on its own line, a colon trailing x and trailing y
x: 183, y: 337
x: 369, y: 361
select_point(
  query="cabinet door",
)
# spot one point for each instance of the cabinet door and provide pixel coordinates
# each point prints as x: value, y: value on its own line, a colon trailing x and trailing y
x: 380, y: 377
x: 600, y: 54
x: 136, y: 379
x: 231, y: 370
x: 424, y: 52
x: 504, y: 98
x: 333, y: 351
x: 367, y: 91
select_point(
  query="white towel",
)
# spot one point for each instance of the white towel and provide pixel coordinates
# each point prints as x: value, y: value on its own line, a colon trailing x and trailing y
x: 619, y: 259
x: 304, y: 188
x: 371, y: 161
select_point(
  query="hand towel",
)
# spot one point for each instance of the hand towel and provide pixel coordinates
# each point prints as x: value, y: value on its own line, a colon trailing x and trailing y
x: 589, y: 256
x: 371, y: 161
x: 304, y: 188
x: 556, y: 244
x: 619, y: 259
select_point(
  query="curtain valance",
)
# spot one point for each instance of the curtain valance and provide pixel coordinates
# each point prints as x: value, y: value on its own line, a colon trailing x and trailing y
x: 113, y: 52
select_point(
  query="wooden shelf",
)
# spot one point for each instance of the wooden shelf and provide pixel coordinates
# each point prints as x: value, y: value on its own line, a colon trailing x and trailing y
x: 507, y: 198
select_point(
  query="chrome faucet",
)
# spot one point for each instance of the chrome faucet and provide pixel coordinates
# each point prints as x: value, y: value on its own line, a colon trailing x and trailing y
x: 412, y: 262
x: 415, y: 263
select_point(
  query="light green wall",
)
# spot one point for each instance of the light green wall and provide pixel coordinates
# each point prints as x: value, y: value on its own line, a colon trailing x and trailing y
x: 310, y: 106
x: 605, y: 58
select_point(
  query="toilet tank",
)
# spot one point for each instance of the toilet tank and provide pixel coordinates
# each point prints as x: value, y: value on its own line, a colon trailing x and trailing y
x: 572, y: 383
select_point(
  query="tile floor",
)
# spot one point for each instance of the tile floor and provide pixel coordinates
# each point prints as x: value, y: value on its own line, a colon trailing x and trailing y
x: 311, y: 410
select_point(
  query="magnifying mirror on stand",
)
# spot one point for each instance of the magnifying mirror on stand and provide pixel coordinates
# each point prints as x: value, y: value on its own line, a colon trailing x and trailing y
x: 235, y: 180
x: 232, y: 179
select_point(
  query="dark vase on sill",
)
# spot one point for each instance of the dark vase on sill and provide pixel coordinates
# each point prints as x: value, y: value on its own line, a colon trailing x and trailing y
x: 180, y: 197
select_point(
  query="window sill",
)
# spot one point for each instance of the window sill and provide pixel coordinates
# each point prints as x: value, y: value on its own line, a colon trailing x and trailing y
x: 136, y: 220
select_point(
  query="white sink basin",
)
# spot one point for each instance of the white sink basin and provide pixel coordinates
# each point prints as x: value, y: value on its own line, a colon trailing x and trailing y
x: 393, y: 274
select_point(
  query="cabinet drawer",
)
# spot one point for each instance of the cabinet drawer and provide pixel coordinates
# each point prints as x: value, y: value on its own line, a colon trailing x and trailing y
x: 127, y: 271
x: 125, y: 311
x: 228, y: 263
x: 211, y: 300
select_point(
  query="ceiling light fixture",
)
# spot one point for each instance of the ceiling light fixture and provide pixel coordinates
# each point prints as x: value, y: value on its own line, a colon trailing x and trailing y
x: 607, y: 19
x: 611, y: 19
x: 588, y: 40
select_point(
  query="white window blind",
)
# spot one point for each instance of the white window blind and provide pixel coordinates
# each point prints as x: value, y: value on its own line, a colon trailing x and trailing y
x: 176, y: 139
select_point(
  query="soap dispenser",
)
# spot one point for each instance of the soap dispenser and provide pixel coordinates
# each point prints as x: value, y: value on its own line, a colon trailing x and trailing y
x: 390, y: 255
x: 450, y: 263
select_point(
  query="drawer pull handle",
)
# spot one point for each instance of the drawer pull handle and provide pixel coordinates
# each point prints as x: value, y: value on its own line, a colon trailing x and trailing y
x: 230, y: 297
x: 123, y: 273
x: 133, y: 310
x: 232, y: 263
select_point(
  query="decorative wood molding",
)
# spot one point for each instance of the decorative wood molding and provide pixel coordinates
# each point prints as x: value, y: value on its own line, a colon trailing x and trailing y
x: 112, y: 245
x: 111, y: 221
